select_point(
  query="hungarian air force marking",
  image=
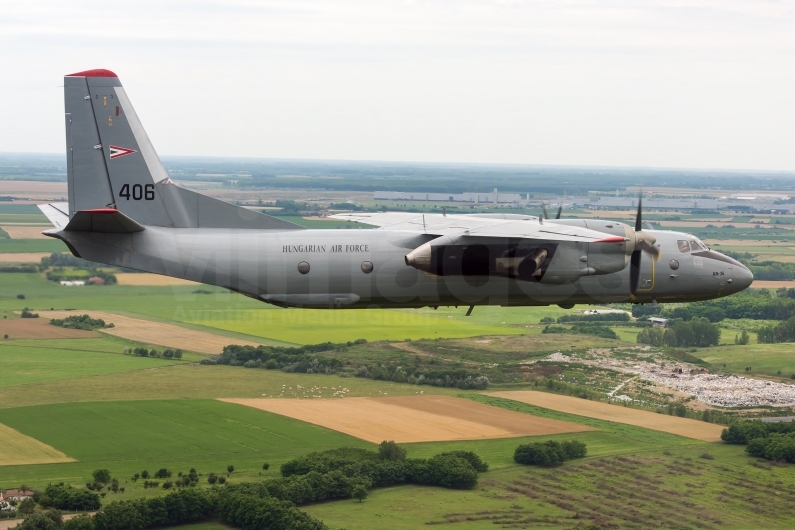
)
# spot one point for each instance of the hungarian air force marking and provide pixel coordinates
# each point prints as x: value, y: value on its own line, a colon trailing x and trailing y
x: 118, y: 152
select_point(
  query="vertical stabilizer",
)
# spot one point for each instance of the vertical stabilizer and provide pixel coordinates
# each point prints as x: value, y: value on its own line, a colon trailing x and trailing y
x: 87, y: 175
x: 113, y: 165
x: 133, y: 166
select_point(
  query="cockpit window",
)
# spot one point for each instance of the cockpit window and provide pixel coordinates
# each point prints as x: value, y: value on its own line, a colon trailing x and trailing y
x: 684, y: 246
x: 697, y: 245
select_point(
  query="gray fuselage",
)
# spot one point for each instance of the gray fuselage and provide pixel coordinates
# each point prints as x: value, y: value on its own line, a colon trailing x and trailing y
x: 329, y: 268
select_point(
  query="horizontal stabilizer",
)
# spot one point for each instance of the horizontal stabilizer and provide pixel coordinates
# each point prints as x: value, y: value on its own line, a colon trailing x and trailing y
x: 104, y: 220
x: 57, y: 213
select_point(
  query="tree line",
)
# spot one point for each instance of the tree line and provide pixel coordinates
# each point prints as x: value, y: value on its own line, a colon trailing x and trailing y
x: 270, y: 505
x: 304, y: 359
x: 698, y: 332
x: 769, y: 440
x: 551, y: 453
x: 756, y: 304
x: 84, y: 322
x: 583, y: 329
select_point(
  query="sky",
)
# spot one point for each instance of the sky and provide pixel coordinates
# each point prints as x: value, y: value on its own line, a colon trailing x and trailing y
x: 687, y: 84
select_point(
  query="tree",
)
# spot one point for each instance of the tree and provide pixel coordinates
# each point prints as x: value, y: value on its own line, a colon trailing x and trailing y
x: 680, y: 410
x: 389, y: 450
x: 26, y: 506
x: 742, y: 339
x: 266, y: 466
x: 359, y: 492
x: 79, y: 522
x: 230, y: 469
x: 101, y: 475
x: 41, y: 521
x: 144, y: 474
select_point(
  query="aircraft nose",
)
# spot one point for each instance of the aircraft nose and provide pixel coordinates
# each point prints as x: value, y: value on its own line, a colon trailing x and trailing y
x: 743, y: 278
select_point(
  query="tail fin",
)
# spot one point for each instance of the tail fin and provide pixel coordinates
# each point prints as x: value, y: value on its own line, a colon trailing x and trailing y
x: 112, y: 164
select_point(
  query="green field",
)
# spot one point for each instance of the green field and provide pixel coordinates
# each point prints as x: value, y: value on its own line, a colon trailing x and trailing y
x: 10, y: 246
x: 764, y: 359
x: 312, y: 326
x: 127, y: 437
x: 25, y: 362
x: 186, y: 380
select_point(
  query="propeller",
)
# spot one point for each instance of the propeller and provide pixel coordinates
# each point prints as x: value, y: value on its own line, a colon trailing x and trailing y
x: 644, y: 242
x: 546, y: 213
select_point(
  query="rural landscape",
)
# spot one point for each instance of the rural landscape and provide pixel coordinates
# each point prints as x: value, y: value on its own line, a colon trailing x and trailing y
x: 149, y: 401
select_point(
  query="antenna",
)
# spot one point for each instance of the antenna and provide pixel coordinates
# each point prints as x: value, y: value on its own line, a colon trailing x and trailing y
x: 423, y: 223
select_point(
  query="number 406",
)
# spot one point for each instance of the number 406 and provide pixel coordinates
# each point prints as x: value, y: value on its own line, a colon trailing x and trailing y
x: 146, y: 192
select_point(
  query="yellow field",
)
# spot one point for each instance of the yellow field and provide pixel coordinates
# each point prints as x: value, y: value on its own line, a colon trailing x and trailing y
x: 23, y: 257
x: 17, y: 449
x: 699, y: 430
x: 25, y: 232
x: 412, y: 418
x: 158, y: 333
x: 133, y: 278
x: 762, y: 284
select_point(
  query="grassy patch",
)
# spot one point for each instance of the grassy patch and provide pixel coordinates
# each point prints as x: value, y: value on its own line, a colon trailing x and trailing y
x: 311, y: 326
x: 37, y: 361
x: 165, y: 381
x: 668, y: 488
x: 766, y: 359
x: 31, y: 245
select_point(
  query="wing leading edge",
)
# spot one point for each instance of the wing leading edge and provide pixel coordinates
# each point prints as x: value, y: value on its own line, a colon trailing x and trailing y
x: 522, y: 227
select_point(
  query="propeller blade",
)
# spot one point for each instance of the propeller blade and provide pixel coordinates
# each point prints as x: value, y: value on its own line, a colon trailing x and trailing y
x: 560, y: 209
x: 634, y: 272
x: 639, y: 217
x: 544, y: 209
x: 651, y: 249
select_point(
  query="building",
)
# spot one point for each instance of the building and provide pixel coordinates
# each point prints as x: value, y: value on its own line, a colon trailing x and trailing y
x: 73, y: 283
x: 658, y: 321
x: 16, y: 495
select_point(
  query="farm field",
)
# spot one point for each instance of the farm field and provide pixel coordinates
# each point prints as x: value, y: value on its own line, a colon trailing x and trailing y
x: 40, y: 328
x: 177, y: 380
x: 32, y: 245
x: 23, y: 257
x: 129, y: 436
x: 669, y: 487
x: 707, y: 432
x: 71, y: 402
x: 17, y: 449
x: 142, y: 278
x: 411, y: 419
x: 27, y: 362
x: 157, y: 333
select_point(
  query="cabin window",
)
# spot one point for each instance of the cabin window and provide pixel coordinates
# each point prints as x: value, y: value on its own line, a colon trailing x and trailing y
x: 684, y: 246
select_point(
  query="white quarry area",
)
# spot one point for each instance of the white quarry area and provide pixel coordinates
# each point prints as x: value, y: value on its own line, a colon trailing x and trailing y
x: 713, y: 389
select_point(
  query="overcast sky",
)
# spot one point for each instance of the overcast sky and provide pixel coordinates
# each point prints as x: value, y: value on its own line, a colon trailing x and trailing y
x: 706, y: 83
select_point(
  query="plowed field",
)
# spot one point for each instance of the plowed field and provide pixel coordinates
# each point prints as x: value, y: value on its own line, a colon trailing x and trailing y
x: 40, y: 328
x: 708, y: 432
x: 412, y: 418
x: 149, y: 332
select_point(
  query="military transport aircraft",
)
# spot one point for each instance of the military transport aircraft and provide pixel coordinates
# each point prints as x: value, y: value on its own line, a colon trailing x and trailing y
x: 124, y: 210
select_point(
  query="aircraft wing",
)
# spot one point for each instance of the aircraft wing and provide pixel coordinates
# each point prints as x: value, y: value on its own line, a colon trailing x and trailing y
x: 520, y: 227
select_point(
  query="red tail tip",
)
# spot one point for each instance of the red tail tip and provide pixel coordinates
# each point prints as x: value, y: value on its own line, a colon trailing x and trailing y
x: 610, y: 239
x: 93, y: 73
